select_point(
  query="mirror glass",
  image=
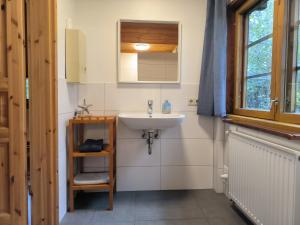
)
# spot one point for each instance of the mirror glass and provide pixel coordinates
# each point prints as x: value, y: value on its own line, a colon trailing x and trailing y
x: 149, y: 52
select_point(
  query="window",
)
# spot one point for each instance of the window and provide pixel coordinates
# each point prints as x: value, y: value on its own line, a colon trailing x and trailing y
x: 267, y: 60
x: 258, y: 41
x: 292, y: 82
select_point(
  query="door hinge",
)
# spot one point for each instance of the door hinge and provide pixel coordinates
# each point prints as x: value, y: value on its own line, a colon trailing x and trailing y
x: 3, y: 7
x: 30, y: 189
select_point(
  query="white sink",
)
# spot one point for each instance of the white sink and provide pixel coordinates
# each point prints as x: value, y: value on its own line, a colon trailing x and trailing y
x: 158, y: 121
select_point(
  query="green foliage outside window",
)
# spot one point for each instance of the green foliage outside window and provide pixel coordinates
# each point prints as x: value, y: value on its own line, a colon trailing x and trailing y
x: 258, y: 93
x: 298, y: 75
x: 259, y: 56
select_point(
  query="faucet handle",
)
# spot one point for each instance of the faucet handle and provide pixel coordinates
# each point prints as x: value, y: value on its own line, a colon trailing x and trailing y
x: 150, y: 102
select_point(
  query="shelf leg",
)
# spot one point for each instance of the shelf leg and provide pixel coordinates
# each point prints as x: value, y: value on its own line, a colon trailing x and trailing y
x: 71, y: 200
x: 111, y: 199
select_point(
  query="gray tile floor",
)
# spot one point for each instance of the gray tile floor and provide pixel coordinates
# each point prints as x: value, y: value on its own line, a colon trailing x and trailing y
x: 198, y: 207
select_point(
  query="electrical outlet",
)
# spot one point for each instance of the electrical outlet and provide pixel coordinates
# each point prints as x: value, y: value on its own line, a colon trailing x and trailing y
x: 193, y: 102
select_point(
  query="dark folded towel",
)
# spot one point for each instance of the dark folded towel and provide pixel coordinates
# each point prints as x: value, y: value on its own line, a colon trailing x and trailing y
x: 91, y: 145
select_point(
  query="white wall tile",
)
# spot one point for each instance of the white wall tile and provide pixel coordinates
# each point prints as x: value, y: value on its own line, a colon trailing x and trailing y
x: 226, y: 153
x: 138, y: 178
x: 219, y: 135
x: 62, y: 184
x: 186, y: 177
x: 111, y: 113
x: 62, y: 126
x: 134, y: 152
x: 219, y: 129
x: 97, y: 112
x: 93, y: 164
x: 193, y: 126
x: 93, y: 93
x: 130, y: 97
x: 94, y: 131
x: 62, y: 162
x: 125, y: 132
x: 186, y: 152
x: 218, y: 181
x: 67, y: 96
x: 218, y: 154
x: 179, y: 95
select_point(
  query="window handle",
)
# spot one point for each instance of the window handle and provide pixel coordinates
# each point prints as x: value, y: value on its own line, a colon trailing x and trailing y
x: 274, y: 101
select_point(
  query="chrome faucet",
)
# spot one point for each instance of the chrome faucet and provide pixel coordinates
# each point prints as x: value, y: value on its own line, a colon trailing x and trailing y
x: 150, y: 107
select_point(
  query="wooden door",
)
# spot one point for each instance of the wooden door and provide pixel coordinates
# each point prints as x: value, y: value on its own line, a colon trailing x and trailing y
x: 41, y: 24
x: 13, y: 191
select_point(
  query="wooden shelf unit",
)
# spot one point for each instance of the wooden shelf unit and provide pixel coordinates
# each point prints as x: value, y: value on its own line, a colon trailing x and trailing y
x: 109, y: 152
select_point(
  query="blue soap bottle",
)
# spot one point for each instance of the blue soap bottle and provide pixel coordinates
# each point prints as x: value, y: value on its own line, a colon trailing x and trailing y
x: 166, y: 107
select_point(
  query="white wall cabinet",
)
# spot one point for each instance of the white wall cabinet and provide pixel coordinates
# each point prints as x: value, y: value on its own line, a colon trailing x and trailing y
x: 75, y: 55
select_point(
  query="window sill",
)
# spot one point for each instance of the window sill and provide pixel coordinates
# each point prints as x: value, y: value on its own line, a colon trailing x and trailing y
x: 286, y: 130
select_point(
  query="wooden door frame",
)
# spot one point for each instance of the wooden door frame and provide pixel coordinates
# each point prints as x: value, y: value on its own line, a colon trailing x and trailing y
x: 42, y: 54
x: 42, y: 73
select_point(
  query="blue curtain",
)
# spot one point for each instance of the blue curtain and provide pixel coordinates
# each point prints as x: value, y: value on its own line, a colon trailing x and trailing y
x: 212, y: 88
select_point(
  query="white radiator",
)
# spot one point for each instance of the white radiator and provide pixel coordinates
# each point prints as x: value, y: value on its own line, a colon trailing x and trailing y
x: 264, y: 180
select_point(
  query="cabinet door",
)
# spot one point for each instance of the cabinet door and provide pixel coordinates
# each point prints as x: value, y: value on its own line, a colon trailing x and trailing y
x: 82, y: 55
x: 75, y: 55
x: 13, y: 191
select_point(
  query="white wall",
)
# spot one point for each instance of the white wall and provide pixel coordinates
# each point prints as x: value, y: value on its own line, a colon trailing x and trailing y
x: 219, y: 148
x: 67, y: 100
x: 98, y: 20
x: 183, y: 157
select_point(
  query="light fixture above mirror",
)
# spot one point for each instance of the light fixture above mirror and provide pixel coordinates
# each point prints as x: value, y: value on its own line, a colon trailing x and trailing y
x: 141, y: 46
x: 148, y: 51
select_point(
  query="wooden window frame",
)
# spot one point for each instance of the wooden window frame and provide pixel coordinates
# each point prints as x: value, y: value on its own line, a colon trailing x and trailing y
x: 277, y: 96
x: 281, y: 115
x: 239, y: 61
